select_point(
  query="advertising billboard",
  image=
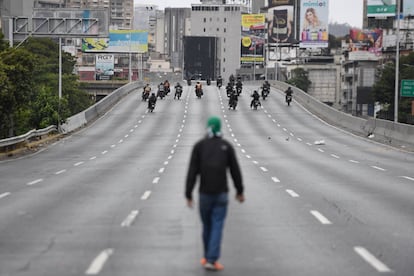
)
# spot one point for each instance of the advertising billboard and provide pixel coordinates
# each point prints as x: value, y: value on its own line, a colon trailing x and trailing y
x: 280, y: 22
x: 104, y: 66
x: 119, y: 41
x: 408, y: 8
x: 253, y: 38
x: 365, y: 44
x: 381, y: 8
x: 314, y: 32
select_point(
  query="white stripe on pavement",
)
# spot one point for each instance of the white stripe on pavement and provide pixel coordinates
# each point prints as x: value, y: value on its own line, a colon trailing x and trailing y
x: 322, y: 219
x: 3, y: 195
x: 130, y: 218
x: 97, y: 264
x: 146, y: 195
x: 292, y: 193
x: 35, y: 181
x: 371, y: 259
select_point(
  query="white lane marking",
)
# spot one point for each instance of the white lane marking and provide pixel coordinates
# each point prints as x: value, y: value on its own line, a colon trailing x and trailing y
x: 104, y: 152
x: 292, y: 193
x: 299, y: 139
x: 112, y: 146
x: 248, y: 156
x: 177, y: 140
x: 371, y: 259
x: 155, y: 180
x: 166, y: 163
x: 242, y: 150
x: 309, y: 144
x: 291, y: 134
x: 175, y: 145
x: 169, y: 157
x: 263, y: 169
x: 92, y: 158
x: 407, y: 177
x: 146, y: 195
x: 59, y: 172
x: 126, y: 136
x: 35, y: 181
x: 378, y: 168
x: 136, y: 126
x: 322, y: 219
x: 161, y: 170
x: 354, y: 161
x: 335, y: 156
x: 255, y: 162
x: 130, y: 219
x: 172, y: 151
x: 284, y: 129
x: 97, y: 264
x: 3, y: 195
x: 78, y: 164
x: 120, y: 141
x: 321, y: 150
x: 275, y: 179
x: 131, y: 130
x: 278, y: 125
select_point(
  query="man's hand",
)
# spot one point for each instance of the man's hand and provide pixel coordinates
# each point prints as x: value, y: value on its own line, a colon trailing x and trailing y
x: 190, y: 203
x: 240, y: 198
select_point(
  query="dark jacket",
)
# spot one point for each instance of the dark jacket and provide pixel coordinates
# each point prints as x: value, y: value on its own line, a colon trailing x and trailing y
x: 210, y: 158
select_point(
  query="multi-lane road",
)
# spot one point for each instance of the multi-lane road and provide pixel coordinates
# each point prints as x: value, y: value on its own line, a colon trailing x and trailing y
x: 109, y: 199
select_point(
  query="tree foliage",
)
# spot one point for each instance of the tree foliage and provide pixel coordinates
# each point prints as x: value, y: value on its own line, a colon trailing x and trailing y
x: 29, y: 77
x: 384, y: 88
x: 300, y: 79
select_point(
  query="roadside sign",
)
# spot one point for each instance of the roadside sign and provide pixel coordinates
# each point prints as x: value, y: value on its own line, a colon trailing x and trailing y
x: 407, y: 88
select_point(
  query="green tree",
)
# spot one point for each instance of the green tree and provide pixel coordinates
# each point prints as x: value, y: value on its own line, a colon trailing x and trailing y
x: 300, y: 79
x: 384, y: 88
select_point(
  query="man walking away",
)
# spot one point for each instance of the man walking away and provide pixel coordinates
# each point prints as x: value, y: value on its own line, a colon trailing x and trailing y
x: 211, y: 157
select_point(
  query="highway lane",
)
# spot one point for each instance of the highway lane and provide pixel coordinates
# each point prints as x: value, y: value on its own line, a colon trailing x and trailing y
x: 108, y: 200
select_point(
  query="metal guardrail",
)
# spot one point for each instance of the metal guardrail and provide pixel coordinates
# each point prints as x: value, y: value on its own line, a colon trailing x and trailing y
x: 24, y: 137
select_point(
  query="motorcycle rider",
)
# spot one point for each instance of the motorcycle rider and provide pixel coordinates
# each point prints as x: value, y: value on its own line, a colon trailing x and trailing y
x: 256, y: 97
x: 288, y: 92
x: 146, y: 92
x: 178, y: 90
x: 199, y: 87
x: 152, y: 100
x: 161, y: 90
x: 265, y: 89
x: 167, y: 86
x: 233, y: 99
x: 219, y: 81
x: 239, y: 87
x: 229, y: 89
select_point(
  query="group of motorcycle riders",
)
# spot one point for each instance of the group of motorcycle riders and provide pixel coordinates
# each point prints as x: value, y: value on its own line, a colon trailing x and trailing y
x: 233, y: 91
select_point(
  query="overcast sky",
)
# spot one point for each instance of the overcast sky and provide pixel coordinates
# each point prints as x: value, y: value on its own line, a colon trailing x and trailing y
x: 341, y: 11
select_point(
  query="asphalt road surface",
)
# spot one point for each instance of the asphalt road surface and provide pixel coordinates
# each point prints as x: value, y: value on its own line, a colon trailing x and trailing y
x: 109, y: 199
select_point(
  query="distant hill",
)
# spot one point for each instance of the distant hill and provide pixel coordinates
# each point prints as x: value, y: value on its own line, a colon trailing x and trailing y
x: 339, y: 30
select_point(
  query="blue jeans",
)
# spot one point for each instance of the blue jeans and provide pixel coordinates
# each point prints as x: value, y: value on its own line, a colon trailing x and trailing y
x: 213, y: 210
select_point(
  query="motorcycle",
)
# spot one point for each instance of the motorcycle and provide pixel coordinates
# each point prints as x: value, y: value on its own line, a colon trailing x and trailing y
x: 151, y: 107
x: 208, y: 81
x: 178, y: 92
x: 256, y: 103
x: 288, y: 99
x: 161, y: 94
x: 199, y: 92
x: 238, y: 90
x: 145, y: 96
x: 233, y: 104
x: 219, y: 83
x: 265, y: 93
x: 189, y: 82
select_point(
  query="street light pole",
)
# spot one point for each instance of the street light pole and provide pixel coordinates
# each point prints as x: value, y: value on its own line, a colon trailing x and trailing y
x: 397, y: 63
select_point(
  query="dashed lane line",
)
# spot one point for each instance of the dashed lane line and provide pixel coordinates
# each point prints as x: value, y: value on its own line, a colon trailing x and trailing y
x: 3, y: 195
x: 292, y: 193
x: 322, y: 219
x: 146, y: 195
x: 130, y: 218
x: 35, y: 181
x: 97, y: 264
x: 372, y: 260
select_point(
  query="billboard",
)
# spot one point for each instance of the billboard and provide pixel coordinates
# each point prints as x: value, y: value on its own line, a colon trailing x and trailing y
x: 381, y: 8
x: 408, y: 8
x: 365, y: 44
x: 253, y: 38
x: 104, y: 66
x: 200, y: 60
x: 119, y: 41
x: 275, y: 3
x: 280, y: 22
x: 314, y: 23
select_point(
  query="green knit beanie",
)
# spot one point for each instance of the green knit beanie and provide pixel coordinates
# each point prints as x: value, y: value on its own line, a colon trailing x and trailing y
x: 214, y: 124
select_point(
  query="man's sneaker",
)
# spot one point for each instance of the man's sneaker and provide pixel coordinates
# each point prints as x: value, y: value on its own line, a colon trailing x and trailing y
x: 214, y: 266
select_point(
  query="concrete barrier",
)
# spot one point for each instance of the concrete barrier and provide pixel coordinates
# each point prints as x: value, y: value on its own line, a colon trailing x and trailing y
x: 92, y: 113
x: 395, y: 134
